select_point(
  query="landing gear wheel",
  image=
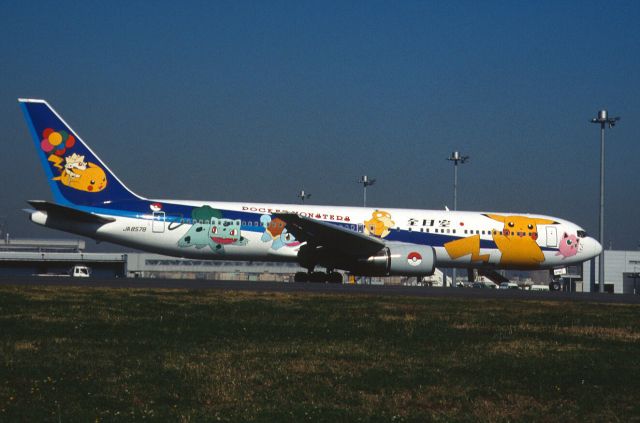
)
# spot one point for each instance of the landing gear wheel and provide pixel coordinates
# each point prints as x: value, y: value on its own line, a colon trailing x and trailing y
x: 554, y: 286
x: 301, y: 277
x: 318, y: 277
x: 335, y: 277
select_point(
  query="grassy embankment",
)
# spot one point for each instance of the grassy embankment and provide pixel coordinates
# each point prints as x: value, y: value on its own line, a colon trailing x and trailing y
x: 80, y: 354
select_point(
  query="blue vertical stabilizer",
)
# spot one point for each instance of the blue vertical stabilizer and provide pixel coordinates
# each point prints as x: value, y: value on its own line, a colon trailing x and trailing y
x: 75, y: 174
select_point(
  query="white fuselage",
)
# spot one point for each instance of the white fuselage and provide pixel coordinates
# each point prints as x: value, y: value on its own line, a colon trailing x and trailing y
x: 460, y: 239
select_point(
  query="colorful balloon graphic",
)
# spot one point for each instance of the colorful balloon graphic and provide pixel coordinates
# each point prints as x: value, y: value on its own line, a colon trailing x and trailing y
x: 55, y: 138
x: 56, y: 142
x: 46, y: 146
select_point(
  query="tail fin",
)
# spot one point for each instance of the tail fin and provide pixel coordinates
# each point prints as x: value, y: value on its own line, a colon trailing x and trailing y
x: 76, y: 175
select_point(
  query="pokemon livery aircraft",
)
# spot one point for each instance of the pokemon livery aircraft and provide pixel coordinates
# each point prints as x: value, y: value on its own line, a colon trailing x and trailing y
x: 91, y: 201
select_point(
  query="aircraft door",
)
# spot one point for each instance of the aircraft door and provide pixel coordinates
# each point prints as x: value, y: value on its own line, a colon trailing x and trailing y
x: 158, y: 222
x: 552, y: 236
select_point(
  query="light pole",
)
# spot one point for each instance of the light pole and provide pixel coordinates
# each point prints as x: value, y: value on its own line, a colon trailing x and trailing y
x: 456, y: 158
x: 604, y: 120
x: 303, y: 195
x: 4, y: 230
x: 366, y: 182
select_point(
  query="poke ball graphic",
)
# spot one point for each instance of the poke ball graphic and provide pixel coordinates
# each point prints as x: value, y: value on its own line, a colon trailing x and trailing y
x: 156, y: 207
x: 414, y: 259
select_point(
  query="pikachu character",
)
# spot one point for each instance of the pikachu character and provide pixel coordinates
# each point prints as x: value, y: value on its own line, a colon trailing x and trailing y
x: 469, y: 246
x: 78, y: 174
x: 517, y: 240
x: 379, y: 225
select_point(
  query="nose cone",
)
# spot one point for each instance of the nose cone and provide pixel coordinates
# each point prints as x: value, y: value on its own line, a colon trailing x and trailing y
x: 594, y: 248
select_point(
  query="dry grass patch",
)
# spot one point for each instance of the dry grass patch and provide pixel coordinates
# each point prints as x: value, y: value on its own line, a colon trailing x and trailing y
x: 25, y: 346
x: 175, y: 355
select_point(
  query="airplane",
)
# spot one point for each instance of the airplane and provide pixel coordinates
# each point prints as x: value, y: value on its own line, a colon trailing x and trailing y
x: 91, y: 201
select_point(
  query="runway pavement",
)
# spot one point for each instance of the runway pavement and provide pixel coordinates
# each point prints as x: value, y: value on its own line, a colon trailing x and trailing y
x: 322, y: 288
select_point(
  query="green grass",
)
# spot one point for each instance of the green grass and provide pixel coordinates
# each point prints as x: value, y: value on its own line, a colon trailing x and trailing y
x: 84, y: 354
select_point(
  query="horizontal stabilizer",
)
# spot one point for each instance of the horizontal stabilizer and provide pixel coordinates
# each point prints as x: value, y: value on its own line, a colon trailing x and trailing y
x: 69, y: 212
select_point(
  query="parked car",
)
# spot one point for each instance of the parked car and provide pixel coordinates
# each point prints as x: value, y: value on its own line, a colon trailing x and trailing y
x: 489, y: 285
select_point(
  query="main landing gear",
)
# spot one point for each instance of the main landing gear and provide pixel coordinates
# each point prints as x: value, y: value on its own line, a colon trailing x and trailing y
x: 318, y: 277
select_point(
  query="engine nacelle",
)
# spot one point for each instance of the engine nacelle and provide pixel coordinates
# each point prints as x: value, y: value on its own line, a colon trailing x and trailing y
x: 401, y: 259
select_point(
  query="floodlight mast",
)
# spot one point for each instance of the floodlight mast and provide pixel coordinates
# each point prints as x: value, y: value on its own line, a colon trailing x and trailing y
x: 604, y: 120
x: 303, y: 195
x: 366, y: 182
x: 455, y: 158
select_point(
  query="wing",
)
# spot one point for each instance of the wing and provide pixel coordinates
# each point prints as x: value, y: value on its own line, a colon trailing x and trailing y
x: 334, y: 237
x: 69, y: 212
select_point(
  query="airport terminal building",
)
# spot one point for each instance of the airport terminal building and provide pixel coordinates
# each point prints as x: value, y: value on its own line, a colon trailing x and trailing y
x: 29, y: 257
x: 33, y: 257
x: 621, y: 272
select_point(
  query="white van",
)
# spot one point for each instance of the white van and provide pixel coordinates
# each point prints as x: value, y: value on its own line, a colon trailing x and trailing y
x: 539, y: 287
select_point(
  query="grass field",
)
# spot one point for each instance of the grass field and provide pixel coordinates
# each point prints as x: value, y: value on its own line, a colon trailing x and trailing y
x: 86, y: 354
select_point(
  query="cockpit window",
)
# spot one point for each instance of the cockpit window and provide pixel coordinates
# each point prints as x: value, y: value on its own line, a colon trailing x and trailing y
x: 582, y: 234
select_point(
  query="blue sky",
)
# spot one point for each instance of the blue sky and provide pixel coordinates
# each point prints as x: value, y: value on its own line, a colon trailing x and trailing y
x: 253, y: 101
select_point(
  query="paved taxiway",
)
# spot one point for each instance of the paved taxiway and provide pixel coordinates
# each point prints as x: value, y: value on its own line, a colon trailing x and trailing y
x: 409, y: 291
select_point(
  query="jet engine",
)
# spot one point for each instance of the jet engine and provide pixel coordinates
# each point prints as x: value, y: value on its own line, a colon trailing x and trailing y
x: 394, y: 259
x: 400, y: 259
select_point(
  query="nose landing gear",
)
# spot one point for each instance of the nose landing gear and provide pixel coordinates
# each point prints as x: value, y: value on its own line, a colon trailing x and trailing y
x: 318, y: 277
